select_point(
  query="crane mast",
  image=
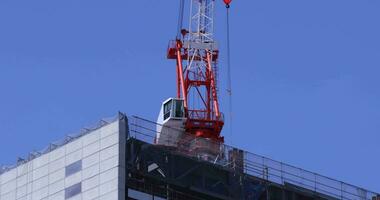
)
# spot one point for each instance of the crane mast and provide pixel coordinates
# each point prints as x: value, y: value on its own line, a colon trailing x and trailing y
x: 196, y: 54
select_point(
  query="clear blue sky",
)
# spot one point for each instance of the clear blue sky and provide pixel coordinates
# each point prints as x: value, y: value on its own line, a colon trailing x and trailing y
x: 305, y: 75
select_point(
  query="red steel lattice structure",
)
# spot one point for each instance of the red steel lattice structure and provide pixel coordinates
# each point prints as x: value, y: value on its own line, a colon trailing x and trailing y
x: 197, y: 54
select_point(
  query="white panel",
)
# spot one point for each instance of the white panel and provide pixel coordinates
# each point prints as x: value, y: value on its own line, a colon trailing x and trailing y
x: 40, y: 172
x: 56, y: 187
x: 90, y: 149
x: 9, y: 186
x: 57, y: 164
x: 109, y: 129
x: 108, y: 187
x: 9, y: 175
x: 109, y: 152
x: 9, y: 196
x: 22, y: 198
x: 90, y: 160
x: 90, y: 172
x: 29, y: 188
x: 76, y: 197
x: 108, y: 164
x: 73, y: 179
x: 110, y: 196
x: 40, y: 183
x: 40, y: 161
x: 90, y: 183
x: 91, y: 137
x: 72, y: 157
x: 22, y: 180
x: 56, y: 154
x: 109, y: 141
x: 73, y: 146
x: 21, y: 191
x: 58, y: 196
x: 22, y: 169
x: 108, y: 175
x: 56, y: 176
x: 40, y: 194
x: 91, y: 194
x: 29, y: 177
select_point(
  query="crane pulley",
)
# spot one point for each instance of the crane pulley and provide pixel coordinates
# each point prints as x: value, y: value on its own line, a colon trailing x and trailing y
x: 227, y: 2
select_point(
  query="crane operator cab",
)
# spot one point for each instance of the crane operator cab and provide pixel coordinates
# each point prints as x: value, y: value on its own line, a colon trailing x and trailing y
x: 170, y: 122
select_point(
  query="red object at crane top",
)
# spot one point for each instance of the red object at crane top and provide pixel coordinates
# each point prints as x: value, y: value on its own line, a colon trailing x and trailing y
x: 227, y: 2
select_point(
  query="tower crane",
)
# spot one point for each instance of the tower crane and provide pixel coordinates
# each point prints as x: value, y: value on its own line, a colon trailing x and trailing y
x: 195, y: 110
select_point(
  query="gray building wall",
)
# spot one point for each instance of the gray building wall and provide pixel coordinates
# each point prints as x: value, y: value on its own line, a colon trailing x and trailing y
x: 91, y: 167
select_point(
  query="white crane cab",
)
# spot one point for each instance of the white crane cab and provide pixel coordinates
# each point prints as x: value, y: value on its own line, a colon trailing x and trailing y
x: 170, y: 122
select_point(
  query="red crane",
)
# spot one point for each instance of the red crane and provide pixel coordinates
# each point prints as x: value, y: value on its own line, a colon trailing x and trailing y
x: 196, y: 54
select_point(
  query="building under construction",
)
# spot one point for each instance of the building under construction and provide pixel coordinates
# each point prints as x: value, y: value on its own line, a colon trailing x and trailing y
x: 180, y: 156
x: 118, y: 159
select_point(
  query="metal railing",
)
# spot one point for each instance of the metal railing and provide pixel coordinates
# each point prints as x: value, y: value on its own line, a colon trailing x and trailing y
x: 203, y: 114
x: 256, y: 165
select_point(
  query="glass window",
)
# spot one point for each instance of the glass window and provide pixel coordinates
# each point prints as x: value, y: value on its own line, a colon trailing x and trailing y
x: 73, y: 190
x: 73, y: 168
x: 167, y: 109
x: 179, y: 108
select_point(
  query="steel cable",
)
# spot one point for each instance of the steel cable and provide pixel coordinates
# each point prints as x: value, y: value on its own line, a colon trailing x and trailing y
x: 229, y: 81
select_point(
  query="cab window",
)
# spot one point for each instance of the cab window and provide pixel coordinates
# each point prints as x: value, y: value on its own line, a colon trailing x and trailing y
x: 167, y: 109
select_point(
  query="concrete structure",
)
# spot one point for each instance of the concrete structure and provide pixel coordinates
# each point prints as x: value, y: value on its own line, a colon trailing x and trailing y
x: 86, y: 167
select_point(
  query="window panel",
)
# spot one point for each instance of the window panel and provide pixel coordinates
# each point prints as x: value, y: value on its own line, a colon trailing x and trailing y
x: 73, y: 168
x: 73, y: 190
x: 167, y: 109
x: 179, y: 108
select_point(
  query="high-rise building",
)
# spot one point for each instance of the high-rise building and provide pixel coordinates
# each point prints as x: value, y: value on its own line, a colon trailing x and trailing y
x: 118, y: 159
x: 90, y: 165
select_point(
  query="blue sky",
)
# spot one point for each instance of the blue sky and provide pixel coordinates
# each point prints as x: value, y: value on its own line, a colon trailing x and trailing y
x: 305, y: 75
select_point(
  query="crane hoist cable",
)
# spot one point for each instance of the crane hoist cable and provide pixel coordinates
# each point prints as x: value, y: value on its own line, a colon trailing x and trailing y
x: 229, y: 81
